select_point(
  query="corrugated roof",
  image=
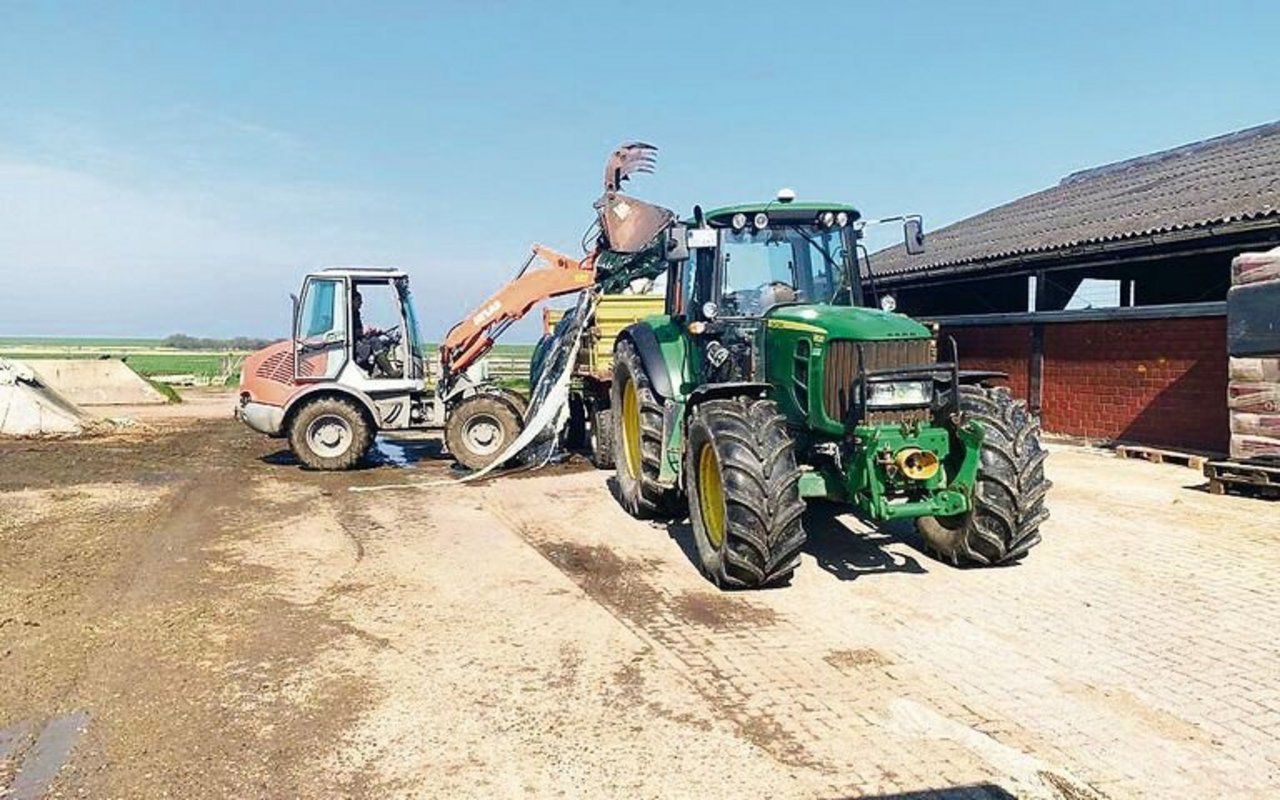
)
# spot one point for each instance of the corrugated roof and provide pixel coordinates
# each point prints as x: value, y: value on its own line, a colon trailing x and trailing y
x: 1224, y: 179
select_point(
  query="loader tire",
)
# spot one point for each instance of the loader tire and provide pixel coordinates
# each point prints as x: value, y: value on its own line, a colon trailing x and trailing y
x: 330, y: 433
x: 1009, y: 494
x: 744, y: 493
x: 479, y: 429
x: 637, y: 438
x: 600, y: 438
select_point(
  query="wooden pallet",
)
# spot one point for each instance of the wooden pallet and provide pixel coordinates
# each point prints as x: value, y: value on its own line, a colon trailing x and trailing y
x: 1158, y: 456
x: 1224, y: 475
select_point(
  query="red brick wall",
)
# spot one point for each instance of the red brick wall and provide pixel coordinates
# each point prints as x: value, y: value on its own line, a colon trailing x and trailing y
x: 1157, y: 382
x: 1004, y: 348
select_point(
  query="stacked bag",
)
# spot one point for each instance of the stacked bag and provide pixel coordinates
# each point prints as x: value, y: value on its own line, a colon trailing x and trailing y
x: 1253, y: 344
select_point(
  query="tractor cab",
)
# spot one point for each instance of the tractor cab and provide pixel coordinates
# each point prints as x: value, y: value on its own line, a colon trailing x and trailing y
x: 749, y: 259
x: 357, y: 326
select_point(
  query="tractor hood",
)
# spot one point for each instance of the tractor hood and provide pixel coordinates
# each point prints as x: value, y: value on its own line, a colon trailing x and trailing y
x: 846, y: 322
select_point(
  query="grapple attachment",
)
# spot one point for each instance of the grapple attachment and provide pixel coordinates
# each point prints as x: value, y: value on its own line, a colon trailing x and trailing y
x: 628, y: 225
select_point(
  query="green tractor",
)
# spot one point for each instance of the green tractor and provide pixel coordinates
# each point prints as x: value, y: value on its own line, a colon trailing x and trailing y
x: 766, y: 382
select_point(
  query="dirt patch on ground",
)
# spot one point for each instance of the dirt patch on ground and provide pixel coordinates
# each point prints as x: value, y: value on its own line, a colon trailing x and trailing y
x: 845, y: 660
x: 721, y: 612
x: 169, y: 586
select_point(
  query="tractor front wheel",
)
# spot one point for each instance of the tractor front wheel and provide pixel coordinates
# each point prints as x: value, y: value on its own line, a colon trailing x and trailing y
x: 744, y: 493
x: 1009, y: 494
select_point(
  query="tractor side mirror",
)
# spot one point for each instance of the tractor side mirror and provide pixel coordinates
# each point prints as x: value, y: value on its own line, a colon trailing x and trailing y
x: 913, y: 232
x: 677, y: 243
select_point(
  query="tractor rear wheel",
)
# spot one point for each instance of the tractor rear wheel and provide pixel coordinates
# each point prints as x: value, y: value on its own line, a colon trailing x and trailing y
x: 637, y: 438
x: 1009, y: 494
x: 330, y: 433
x: 479, y: 429
x: 744, y: 493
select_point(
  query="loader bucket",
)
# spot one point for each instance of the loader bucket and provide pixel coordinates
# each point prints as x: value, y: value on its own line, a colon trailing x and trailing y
x: 631, y: 225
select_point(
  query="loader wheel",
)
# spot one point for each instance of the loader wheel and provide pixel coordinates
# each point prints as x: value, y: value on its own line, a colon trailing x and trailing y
x: 479, y: 429
x: 518, y: 402
x: 637, y: 438
x: 330, y: 433
x: 744, y: 493
x: 1009, y: 495
x: 600, y: 438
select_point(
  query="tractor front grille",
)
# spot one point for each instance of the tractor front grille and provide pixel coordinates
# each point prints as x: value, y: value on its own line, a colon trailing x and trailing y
x: 842, y: 371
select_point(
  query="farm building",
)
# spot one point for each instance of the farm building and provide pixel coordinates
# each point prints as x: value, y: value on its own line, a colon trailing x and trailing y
x: 1103, y: 297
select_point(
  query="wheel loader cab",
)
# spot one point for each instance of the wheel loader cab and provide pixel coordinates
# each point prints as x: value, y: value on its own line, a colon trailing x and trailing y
x: 358, y: 327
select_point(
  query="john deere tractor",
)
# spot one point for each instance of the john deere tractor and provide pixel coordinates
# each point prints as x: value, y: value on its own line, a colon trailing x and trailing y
x: 767, y: 382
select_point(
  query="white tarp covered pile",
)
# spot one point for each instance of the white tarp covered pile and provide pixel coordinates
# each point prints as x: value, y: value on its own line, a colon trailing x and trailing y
x: 30, y: 408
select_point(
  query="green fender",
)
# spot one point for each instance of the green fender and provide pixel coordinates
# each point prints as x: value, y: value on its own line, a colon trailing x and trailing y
x: 663, y: 347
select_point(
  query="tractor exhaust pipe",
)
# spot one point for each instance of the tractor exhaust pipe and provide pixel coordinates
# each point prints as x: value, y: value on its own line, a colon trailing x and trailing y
x: 916, y: 464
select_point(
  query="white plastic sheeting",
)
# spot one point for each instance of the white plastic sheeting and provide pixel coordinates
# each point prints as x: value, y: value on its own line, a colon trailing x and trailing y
x: 548, y: 403
x: 30, y: 408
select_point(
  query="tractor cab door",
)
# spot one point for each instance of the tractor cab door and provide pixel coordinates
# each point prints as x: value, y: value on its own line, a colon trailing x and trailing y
x: 321, y: 345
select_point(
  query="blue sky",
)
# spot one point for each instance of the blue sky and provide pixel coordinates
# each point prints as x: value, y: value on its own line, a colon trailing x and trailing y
x: 177, y: 166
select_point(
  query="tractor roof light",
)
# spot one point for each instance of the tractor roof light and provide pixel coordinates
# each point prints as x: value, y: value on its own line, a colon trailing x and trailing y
x: 739, y: 221
x: 761, y: 221
x: 826, y: 219
x: 842, y: 218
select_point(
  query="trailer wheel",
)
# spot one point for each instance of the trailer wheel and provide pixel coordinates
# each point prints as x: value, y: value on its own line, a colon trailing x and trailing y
x: 479, y: 429
x: 575, y: 430
x: 600, y: 438
x: 330, y: 433
x: 637, y: 437
x: 1009, y: 495
x: 744, y: 493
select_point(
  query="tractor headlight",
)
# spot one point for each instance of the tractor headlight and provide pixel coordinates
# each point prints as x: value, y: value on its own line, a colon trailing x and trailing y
x: 739, y: 221
x: 761, y: 221
x: 891, y: 394
x: 826, y: 219
x: 842, y: 218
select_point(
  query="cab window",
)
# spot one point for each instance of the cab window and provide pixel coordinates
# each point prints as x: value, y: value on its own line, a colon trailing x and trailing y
x: 324, y: 311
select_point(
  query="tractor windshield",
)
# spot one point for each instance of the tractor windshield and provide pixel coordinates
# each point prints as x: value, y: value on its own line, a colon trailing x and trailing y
x: 785, y: 264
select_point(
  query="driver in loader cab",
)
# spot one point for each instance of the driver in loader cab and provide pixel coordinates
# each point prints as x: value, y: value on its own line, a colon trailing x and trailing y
x: 371, y: 349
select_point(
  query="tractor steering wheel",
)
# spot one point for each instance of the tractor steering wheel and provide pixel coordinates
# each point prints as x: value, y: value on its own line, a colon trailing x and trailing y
x: 781, y: 291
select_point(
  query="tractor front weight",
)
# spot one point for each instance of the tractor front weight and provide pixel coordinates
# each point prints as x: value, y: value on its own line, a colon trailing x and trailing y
x: 877, y: 485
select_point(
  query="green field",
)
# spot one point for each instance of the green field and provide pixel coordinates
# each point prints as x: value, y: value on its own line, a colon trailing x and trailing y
x: 148, y: 358
x: 75, y: 343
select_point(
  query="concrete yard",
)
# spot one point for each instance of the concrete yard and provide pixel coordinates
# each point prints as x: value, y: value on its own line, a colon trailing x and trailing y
x: 186, y: 613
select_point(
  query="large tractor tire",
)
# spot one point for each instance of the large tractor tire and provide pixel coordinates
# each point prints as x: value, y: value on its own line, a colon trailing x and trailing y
x: 479, y: 429
x: 1009, y: 495
x: 637, y: 438
x: 330, y: 433
x: 744, y: 493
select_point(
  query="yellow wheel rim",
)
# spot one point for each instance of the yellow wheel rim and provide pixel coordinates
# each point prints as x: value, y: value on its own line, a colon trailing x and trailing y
x: 631, y: 429
x: 711, y: 495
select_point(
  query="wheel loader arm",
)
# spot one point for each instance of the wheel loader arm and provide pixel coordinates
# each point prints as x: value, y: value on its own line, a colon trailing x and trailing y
x: 470, y: 339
